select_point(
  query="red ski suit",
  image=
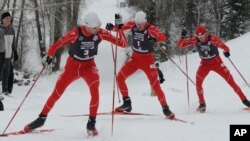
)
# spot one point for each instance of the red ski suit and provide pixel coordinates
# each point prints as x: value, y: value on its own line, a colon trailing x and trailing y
x: 210, y: 61
x: 142, y: 59
x: 76, y: 68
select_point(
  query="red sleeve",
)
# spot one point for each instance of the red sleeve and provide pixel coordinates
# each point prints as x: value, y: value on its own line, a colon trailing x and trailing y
x: 126, y: 26
x: 71, y: 36
x: 220, y: 44
x: 121, y: 40
x: 156, y: 33
x: 183, y: 43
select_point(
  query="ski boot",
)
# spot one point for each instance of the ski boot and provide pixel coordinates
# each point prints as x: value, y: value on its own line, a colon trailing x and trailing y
x: 1, y: 98
x: 169, y: 114
x: 39, y: 122
x: 91, y: 130
x: 1, y: 106
x: 246, y: 102
x: 202, y: 108
x: 126, y: 106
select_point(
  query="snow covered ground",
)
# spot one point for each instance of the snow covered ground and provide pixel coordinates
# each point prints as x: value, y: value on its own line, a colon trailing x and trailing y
x: 223, y: 106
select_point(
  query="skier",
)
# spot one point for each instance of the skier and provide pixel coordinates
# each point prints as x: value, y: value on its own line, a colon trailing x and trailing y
x: 84, y: 41
x: 161, y: 78
x: 145, y: 36
x: 8, y: 50
x: 207, y: 45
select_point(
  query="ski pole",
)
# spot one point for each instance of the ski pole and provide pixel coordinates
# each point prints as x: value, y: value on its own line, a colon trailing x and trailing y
x: 114, y: 83
x: 187, y: 79
x: 238, y: 72
x: 23, y: 100
x: 176, y: 64
x: 113, y: 54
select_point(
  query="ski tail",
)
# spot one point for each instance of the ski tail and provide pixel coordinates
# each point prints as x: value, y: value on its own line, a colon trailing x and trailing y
x: 21, y: 132
x: 114, y: 112
x: 183, y: 121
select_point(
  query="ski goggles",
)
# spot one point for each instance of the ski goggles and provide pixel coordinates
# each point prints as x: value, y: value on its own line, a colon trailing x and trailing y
x: 140, y: 23
x: 201, y: 37
x: 95, y: 28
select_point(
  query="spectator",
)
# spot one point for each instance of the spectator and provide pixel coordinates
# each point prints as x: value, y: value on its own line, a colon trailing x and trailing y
x: 8, y: 50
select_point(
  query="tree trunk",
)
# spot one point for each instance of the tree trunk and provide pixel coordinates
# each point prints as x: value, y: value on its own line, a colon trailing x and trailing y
x: 72, y: 14
x: 217, y: 14
x: 8, y: 4
x: 199, y: 12
x: 19, y: 27
x: 43, y: 25
x: 14, y: 6
x: 3, y: 5
x: 39, y: 32
x: 75, y: 11
x: 58, y: 35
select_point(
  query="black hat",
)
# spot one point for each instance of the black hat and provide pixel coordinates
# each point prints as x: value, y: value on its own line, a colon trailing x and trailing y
x: 5, y: 14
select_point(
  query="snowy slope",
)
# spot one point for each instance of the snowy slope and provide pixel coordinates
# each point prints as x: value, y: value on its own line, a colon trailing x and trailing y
x: 223, y: 106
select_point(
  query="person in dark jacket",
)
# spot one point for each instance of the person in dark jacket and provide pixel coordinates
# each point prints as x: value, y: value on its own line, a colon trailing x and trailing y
x: 8, y: 50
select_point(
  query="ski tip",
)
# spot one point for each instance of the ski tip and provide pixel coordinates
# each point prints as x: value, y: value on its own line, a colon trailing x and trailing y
x: 180, y: 120
x: 26, y: 129
x: 246, y: 109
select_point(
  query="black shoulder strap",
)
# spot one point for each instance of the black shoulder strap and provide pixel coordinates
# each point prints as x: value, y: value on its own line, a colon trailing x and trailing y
x: 79, y: 31
x: 209, y: 37
x: 148, y: 26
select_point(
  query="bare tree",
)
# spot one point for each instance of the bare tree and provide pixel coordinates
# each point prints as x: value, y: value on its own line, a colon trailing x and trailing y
x: 14, y: 6
x: 3, y: 5
x: 58, y: 35
x: 72, y: 13
x: 19, y: 26
x: 217, y: 4
x: 41, y: 42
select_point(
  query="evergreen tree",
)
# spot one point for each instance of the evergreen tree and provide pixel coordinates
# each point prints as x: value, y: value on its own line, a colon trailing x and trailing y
x: 191, y: 16
x: 235, y: 16
x: 151, y: 12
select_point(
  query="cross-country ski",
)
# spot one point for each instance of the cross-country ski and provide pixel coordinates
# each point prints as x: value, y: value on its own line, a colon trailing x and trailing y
x: 115, y: 113
x: 21, y: 132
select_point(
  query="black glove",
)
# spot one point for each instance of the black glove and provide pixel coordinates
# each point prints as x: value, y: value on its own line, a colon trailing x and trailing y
x: 183, y: 33
x: 118, y: 21
x: 109, y: 26
x: 151, y: 39
x: 46, y: 60
x: 162, y: 80
x: 226, y: 54
x: 15, y: 55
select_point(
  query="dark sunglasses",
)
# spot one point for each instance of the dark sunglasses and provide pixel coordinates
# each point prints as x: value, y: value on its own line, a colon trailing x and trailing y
x: 95, y: 28
x: 201, y: 37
